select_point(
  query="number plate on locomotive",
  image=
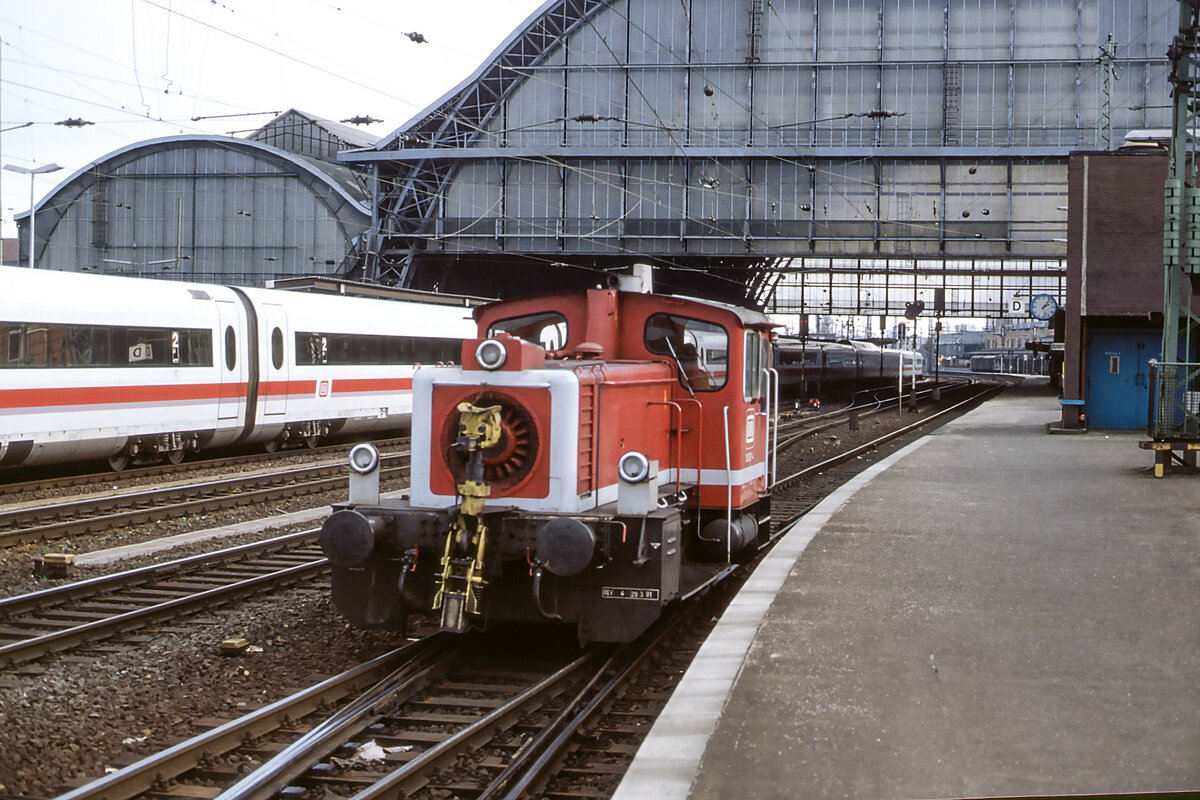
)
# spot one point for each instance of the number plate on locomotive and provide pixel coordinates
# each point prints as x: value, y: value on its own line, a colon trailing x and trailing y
x: 624, y: 593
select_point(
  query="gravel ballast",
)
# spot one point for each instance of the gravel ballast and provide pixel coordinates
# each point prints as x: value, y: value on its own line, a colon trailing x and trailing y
x: 68, y: 718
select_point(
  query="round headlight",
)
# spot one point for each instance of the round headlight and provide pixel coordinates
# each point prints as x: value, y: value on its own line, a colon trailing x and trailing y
x: 634, y: 467
x: 491, y: 354
x: 364, y: 458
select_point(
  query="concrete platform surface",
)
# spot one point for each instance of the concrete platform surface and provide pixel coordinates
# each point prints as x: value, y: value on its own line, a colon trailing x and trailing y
x: 991, y: 611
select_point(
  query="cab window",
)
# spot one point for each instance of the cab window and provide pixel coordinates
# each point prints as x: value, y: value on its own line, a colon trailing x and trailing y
x: 546, y: 329
x: 699, y: 349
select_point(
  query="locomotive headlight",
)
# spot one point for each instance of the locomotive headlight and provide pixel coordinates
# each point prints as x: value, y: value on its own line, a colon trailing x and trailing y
x: 491, y: 354
x: 634, y: 467
x: 364, y: 475
x: 364, y: 458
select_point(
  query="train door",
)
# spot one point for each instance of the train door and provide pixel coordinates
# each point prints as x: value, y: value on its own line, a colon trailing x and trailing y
x: 231, y: 366
x: 274, y: 384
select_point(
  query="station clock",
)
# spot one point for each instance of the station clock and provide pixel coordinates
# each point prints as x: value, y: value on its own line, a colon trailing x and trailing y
x: 1042, y: 306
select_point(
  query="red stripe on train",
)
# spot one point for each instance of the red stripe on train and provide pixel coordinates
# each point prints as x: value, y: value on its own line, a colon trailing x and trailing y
x: 58, y: 397
x: 109, y: 395
x: 287, y: 388
x: 321, y: 388
x: 373, y: 385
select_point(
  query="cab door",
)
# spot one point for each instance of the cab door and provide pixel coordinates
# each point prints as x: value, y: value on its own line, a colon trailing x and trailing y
x: 273, y: 387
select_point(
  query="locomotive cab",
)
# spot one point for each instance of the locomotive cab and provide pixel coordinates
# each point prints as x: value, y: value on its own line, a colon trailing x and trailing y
x: 597, y: 455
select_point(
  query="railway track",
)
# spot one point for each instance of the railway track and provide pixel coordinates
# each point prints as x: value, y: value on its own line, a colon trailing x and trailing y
x: 59, y: 478
x: 100, y: 513
x: 434, y: 742
x: 795, y: 493
x: 876, y: 402
x: 466, y: 716
x: 423, y: 706
x: 76, y: 614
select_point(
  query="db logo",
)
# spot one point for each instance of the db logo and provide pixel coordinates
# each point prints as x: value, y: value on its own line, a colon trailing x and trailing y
x: 323, y: 388
x: 750, y: 419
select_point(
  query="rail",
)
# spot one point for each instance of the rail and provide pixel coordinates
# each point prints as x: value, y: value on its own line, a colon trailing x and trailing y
x: 55, y: 473
x: 93, y: 514
x: 391, y: 669
x: 119, y: 614
x: 808, y: 426
x: 104, y: 584
x: 980, y: 396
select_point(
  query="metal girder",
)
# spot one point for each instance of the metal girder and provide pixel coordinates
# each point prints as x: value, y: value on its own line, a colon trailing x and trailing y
x: 458, y: 120
x: 422, y: 215
x: 561, y: 153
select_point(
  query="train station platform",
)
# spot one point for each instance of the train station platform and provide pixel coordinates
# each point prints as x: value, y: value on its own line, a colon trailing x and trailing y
x: 991, y: 611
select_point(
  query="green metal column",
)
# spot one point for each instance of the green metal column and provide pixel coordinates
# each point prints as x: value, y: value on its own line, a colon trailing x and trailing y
x: 1174, y: 417
x: 1181, y: 234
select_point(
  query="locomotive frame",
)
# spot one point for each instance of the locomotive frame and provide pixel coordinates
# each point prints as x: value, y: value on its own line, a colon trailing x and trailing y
x: 598, y: 455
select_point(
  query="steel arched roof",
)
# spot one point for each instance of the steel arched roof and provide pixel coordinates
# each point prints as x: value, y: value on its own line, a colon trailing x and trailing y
x: 327, y: 186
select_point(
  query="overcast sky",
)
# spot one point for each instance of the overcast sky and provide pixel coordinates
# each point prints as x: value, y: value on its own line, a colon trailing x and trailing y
x: 140, y: 69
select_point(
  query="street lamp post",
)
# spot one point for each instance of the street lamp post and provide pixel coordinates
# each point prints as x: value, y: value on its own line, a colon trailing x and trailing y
x: 31, y: 172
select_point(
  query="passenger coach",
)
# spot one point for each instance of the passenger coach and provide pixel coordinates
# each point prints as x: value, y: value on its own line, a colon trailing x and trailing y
x: 124, y: 369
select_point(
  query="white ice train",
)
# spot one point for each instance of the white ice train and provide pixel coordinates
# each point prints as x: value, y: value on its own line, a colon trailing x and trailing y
x: 101, y: 367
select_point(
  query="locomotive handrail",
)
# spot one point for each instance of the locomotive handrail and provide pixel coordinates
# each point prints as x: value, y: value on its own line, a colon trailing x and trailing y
x: 728, y: 492
x: 678, y: 440
x: 772, y: 414
x: 775, y: 440
x: 765, y: 374
x: 699, y: 439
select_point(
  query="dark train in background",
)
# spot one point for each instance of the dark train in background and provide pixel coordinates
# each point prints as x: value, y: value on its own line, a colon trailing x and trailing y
x: 814, y: 368
x: 597, y: 455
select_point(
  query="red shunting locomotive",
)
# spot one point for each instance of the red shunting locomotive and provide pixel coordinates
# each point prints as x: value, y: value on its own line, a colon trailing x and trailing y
x: 597, y: 455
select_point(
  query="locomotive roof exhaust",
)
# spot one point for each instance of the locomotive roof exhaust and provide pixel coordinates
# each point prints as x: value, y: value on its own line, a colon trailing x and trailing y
x: 640, y: 280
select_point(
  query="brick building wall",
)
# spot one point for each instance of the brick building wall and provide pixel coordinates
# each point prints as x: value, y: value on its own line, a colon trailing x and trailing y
x: 1114, y: 253
x: 1114, y: 242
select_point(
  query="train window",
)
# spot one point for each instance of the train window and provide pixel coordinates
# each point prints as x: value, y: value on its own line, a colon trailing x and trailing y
x: 277, y: 348
x: 351, y: 348
x: 547, y: 329
x: 699, y: 348
x: 57, y: 346
x: 312, y: 348
x: 199, y: 350
x: 230, y: 348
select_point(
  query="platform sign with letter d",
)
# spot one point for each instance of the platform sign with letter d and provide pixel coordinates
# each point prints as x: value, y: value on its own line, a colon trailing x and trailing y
x: 1016, y: 305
